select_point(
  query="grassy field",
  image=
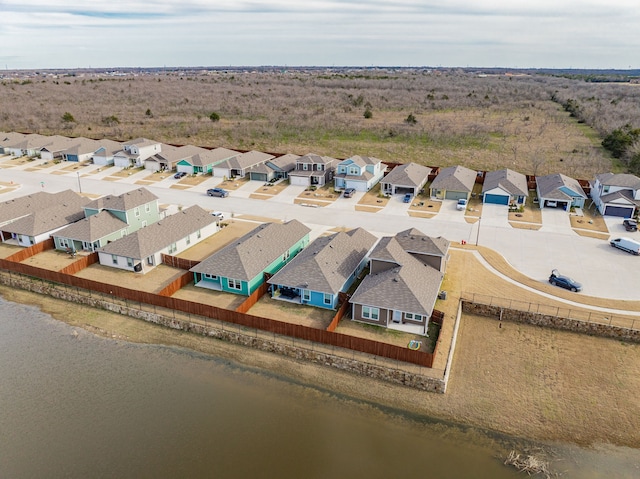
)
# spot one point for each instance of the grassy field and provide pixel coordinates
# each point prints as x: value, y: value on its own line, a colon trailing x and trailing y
x: 483, y: 123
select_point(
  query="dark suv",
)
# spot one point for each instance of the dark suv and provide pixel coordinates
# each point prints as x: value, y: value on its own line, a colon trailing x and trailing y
x: 219, y: 192
x: 630, y: 225
x: 565, y: 282
x: 349, y: 192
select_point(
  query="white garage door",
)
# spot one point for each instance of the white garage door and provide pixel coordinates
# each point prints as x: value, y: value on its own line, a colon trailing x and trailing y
x: 299, y: 180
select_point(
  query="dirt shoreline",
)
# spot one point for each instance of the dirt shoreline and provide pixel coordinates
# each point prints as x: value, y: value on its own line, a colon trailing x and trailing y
x: 519, y: 397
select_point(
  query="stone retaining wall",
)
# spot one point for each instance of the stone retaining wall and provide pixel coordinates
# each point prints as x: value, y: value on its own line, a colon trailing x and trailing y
x: 548, y: 321
x: 362, y: 368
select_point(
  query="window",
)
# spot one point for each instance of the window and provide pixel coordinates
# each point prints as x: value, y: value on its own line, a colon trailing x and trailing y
x: 188, y: 239
x: 285, y: 256
x: 143, y: 223
x: 150, y: 260
x: 304, y: 166
x: 306, y: 295
x: 209, y: 276
x: 147, y: 207
x: 354, y: 170
x: 130, y: 262
x: 370, y: 313
x: 114, y: 259
x: 327, y: 298
x: 234, y: 284
x: 605, y: 189
x: 414, y: 317
x: 136, y: 211
x: 172, y: 248
x: 198, y: 234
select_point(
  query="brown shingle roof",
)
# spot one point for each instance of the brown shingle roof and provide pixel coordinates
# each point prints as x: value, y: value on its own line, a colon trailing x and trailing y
x: 123, y: 202
x: 57, y: 215
x: 510, y: 181
x: 93, y: 228
x: 455, y: 178
x: 410, y: 175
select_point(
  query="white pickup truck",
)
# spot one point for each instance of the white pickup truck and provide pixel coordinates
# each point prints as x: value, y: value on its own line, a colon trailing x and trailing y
x: 626, y: 244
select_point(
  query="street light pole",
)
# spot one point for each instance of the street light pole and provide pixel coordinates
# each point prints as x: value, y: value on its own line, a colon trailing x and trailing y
x: 478, y: 232
x: 79, y: 185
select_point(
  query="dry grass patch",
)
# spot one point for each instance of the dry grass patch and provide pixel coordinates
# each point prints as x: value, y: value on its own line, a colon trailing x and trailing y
x: 127, y: 172
x: 423, y: 206
x: 17, y: 161
x: 218, y: 299
x: 8, y: 249
x: 376, y: 333
x: 373, y: 198
x: 591, y: 221
x: 101, y: 169
x: 8, y: 186
x: 369, y: 209
x: 151, y: 282
x: 75, y: 166
x: 288, y: 312
x: 324, y: 195
x: 229, y: 233
x: 52, y: 260
x: 269, y: 190
x: 194, y: 180
x: 233, y: 183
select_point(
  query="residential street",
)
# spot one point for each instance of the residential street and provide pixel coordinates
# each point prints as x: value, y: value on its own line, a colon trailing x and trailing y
x: 604, y: 271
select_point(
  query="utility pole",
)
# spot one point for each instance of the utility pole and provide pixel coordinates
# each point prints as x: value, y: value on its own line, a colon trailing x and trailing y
x: 478, y: 232
x: 79, y: 185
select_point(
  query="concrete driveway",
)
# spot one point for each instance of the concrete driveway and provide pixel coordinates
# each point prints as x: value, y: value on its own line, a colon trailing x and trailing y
x: 495, y: 215
x: 449, y: 212
x: 556, y: 220
x: 396, y: 206
x: 287, y: 195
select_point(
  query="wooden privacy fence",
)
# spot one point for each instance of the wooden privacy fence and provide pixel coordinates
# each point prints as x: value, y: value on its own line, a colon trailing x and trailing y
x: 176, y: 284
x: 298, y: 331
x: 31, y: 251
x: 343, y: 300
x: 80, y: 264
x: 255, y: 296
x: 180, y: 263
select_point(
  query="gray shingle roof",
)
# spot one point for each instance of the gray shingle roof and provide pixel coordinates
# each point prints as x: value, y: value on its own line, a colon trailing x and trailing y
x: 67, y: 209
x: 123, y: 202
x: 548, y: 186
x: 250, y: 255
x: 212, y: 157
x: 157, y: 236
x: 82, y: 146
x: 624, y: 194
x: 312, y: 158
x: 327, y: 263
x: 363, y: 160
x: 455, y: 178
x: 285, y: 162
x: 409, y: 286
x: 622, y: 180
x: 110, y: 147
x: 93, y: 228
x: 510, y: 181
x: 25, y: 205
x: 410, y: 175
x: 415, y: 241
x: 245, y: 160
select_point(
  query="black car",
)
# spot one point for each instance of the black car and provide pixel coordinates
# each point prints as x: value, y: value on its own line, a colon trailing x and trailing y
x: 565, y: 282
x: 179, y: 174
x: 630, y: 225
x: 349, y: 192
x: 219, y: 192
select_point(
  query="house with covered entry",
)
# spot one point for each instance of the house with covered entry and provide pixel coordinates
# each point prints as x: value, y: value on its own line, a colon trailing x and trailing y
x: 359, y: 172
x: 408, y: 178
x: 80, y: 150
x: 274, y: 169
x: 616, y: 194
x: 313, y: 170
x: 400, y: 290
x: 142, y: 250
x: 240, y: 267
x: 505, y: 187
x: 453, y: 183
x: 118, y: 216
x: 324, y: 269
x: 43, y: 220
x: 135, y: 152
x: 238, y: 166
x: 204, y: 160
x: 106, y: 151
x: 559, y: 191
x: 56, y: 147
x: 169, y: 156
x: 8, y: 138
x: 28, y: 145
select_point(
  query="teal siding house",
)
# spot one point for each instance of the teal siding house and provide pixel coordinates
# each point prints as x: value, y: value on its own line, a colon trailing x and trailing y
x: 204, y: 161
x: 325, y: 268
x: 108, y: 218
x: 560, y: 191
x: 239, y: 267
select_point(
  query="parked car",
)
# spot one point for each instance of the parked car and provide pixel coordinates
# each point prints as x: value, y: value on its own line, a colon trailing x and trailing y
x: 626, y: 244
x: 462, y: 204
x: 349, y: 192
x: 180, y: 174
x: 407, y: 198
x: 630, y: 225
x: 218, y: 214
x: 219, y: 192
x: 565, y: 282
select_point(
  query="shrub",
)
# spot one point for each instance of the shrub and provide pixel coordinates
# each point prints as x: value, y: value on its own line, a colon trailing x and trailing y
x: 411, y: 119
x: 68, y: 117
x: 368, y: 113
x: 214, y: 117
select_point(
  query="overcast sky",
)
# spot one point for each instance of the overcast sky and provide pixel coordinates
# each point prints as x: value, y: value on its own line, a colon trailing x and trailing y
x: 489, y: 33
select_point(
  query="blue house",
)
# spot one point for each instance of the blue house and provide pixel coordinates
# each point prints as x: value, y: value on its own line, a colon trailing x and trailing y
x: 359, y: 172
x: 559, y: 191
x: 326, y: 267
x: 240, y: 266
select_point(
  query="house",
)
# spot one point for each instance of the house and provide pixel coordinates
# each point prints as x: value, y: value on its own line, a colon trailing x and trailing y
x: 205, y: 160
x: 359, y: 172
x: 8, y: 139
x: 325, y: 268
x: 45, y: 219
x: 239, y: 166
x: 135, y: 152
x: 274, y: 169
x: 616, y: 194
x: 29, y: 145
x: 170, y: 156
x: 105, y: 153
x: 505, y: 187
x: 559, y: 191
x: 142, y: 250
x: 55, y: 148
x: 453, y: 183
x: 403, y: 179
x: 80, y: 150
x: 90, y: 233
x: 431, y: 251
x: 399, y: 292
x: 240, y: 266
x: 313, y: 170
x: 137, y: 208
